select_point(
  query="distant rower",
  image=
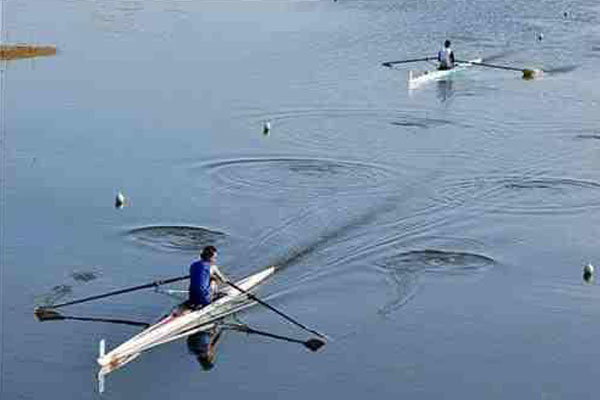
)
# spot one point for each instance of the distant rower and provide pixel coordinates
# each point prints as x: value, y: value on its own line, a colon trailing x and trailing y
x: 446, y: 57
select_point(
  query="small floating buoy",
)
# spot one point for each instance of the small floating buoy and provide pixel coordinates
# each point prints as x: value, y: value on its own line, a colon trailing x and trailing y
x: 540, y: 37
x: 120, y: 200
x: 565, y: 14
x: 588, y: 272
x: 266, y: 128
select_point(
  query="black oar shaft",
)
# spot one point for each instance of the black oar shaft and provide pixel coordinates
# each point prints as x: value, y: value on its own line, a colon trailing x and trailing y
x: 121, y: 291
x: 493, y: 65
x: 270, y: 307
x: 390, y: 63
x: 109, y: 320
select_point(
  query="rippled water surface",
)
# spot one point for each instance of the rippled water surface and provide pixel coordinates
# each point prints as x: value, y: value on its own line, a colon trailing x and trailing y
x: 436, y: 234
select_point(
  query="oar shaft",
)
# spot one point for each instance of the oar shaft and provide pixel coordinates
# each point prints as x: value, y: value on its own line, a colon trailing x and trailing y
x: 492, y: 65
x: 121, y: 291
x: 109, y: 320
x: 390, y: 63
x: 270, y: 307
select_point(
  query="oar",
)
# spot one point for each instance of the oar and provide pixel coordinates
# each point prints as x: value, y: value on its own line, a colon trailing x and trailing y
x: 311, y: 344
x: 527, y: 73
x: 51, y: 315
x: 270, y: 307
x: 116, y: 292
x: 390, y: 63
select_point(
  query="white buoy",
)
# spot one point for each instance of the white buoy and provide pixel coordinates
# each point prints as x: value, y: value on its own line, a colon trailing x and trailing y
x: 266, y: 127
x: 120, y: 200
x: 540, y: 36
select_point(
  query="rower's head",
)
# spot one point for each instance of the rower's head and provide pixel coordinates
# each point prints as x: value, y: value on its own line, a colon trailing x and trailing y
x: 447, y: 43
x: 208, y: 253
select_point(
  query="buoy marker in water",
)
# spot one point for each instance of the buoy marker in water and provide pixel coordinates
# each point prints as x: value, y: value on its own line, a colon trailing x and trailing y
x: 266, y: 128
x: 588, y: 272
x: 120, y: 200
x: 540, y: 37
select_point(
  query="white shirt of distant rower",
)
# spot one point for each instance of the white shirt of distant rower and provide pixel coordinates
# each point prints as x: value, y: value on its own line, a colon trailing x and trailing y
x: 444, y: 57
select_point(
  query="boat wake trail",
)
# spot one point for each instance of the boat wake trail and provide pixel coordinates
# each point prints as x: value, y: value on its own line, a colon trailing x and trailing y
x: 297, y: 254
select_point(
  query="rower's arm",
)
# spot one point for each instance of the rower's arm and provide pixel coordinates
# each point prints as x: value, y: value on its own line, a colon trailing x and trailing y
x: 216, y: 272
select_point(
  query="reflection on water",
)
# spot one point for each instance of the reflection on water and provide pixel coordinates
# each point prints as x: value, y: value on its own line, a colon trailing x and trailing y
x: 203, y: 345
x: 444, y: 90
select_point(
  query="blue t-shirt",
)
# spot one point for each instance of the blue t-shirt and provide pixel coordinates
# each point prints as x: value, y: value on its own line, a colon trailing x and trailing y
x: 200, y: 283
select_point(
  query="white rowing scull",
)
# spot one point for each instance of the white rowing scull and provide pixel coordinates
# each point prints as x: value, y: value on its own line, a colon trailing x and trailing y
x: 416, y: 78
x: 181, y: 323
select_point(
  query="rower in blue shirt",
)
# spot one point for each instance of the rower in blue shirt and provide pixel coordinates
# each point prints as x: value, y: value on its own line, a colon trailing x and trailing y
x: 204, y: 277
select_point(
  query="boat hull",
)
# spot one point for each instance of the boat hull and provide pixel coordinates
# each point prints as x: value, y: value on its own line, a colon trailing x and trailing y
x: 417, y: 78
x: 181, y: 323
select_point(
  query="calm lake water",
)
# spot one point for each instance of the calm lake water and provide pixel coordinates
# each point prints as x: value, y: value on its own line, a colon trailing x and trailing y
x: 437, y: 235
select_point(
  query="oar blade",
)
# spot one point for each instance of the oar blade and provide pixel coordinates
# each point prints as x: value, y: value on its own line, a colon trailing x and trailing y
x: 532, y: 73
x: 45, y: 314
x: 314, y: 344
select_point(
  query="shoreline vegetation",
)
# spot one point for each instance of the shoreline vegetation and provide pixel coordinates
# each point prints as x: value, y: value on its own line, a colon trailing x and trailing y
x: 17, y: 51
